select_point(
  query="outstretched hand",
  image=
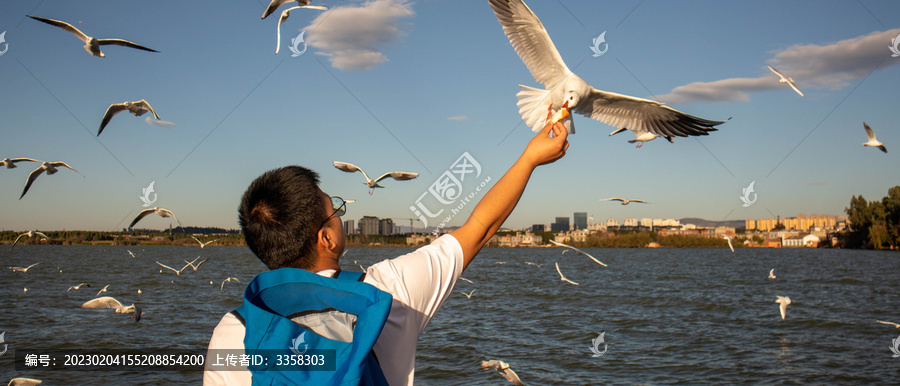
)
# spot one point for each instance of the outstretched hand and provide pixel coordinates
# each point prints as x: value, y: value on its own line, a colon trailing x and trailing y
x: 547, y: 146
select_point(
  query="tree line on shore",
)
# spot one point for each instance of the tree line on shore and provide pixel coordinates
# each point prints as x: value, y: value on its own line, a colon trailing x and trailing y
x: 874, y: 224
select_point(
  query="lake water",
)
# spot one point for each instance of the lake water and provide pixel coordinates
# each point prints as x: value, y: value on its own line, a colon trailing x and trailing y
x: 669, y: 315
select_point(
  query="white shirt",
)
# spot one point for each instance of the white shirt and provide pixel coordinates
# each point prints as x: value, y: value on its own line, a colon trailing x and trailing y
x: 420, y: 282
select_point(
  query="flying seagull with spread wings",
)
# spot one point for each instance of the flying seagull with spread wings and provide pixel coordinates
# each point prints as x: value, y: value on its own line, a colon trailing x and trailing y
x: 565, y: 90
x: 138, y: 108
x: 273, y: 6
x: 372, y: 184
x: 872, y: 140
x: 503, y: 369
x: 162, y: 212
x: 202, y: 244
x: 49, y: 167
x: 563, y: 277
x: 91, y: 44
x: 578, y: 251
x: 10, y: 163
x: 787, y: 80
x: 624, y: 201
x: 28, y: 234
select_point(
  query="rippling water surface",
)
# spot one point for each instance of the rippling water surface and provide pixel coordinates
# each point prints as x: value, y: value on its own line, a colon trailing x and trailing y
x: 669, y: 315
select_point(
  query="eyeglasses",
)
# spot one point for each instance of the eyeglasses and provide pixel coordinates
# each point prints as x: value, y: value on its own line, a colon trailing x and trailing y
x: 339, y: 206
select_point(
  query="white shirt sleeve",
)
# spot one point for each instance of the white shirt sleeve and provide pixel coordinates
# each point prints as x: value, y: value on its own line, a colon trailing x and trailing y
x: 228, y: 335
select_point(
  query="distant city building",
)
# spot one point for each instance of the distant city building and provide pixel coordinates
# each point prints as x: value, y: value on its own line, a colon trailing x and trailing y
x: 800, y: 223
x: 612, y: 223
x: 537, y: 228
x: 647, y: 223
x: 349, y: 227
x: 561, y: 224
x: 385, y: 227
x: 580, y: 220
x: 631, y: 222
x: 368, y: 225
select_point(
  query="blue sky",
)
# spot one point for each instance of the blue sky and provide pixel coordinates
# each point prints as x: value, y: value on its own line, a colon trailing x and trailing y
x: 379, y: 92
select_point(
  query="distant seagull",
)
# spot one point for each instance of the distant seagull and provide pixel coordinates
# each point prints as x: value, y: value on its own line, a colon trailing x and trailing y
x: 202, y: 244
x: 138, y: 108
x: 132, y: 254
x: 503, y: 369
x: 578, y: 251
x: 29, y: 234
x: 641, y: 136
x: 565, y: 90
x: 889, y: 323
x: 624, y: 200
x: 20, y: 269
x: 226, y: 281
x: 24, y: 382
x: 78, y: 286
x: 772, y: 273
x: 139, y: 291
x: 91, y: 45
x: 783, y: 302
x: 787, y: 80
x: 536, y: 265
x: 872, y: 140
x: 372, y: 184
x: 177, y: 271
x: 562, y: 277
x: 195, y: 267
x: 49, y: 167
x: 275, y: 4
x: 468, y: 295
x: 102, y: 291
x: 462, y: 278
x: 162, y: 212
x: 729, y: 238
x: 10, y: 163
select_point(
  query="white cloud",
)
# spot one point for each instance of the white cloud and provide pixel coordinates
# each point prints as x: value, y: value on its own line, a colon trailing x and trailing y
x: 458, y: 118
x: 832, y: 66
x: 352, y: 37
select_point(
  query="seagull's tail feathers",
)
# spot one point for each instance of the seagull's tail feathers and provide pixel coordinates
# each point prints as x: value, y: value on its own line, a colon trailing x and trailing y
x: 533, y: 104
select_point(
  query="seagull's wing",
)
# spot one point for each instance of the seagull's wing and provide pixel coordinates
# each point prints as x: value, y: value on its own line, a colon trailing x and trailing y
x: 531, y: 41
x: 110, y: 112
x: 24, y: 382
x: 169, y: 212
x: 201, y: 243
x: 273, y: 6
x: 31, y: 177
x: 772, y: 272
x: 146, y: 106
x: 166, y: 266
x: 561, y: 276
x: 794, y: 86
x: 63, y: 164
x: 124, y: 43
x: 201, y: 262
x: 869, y: 132
x: 23, y: 159
x: 141, y: 215
x: 17, y: 240
x: 777, y: 73
x: 613, y: 199
x: 29, y: 267
x: 592, y: 258
x: 511, y: 376
x: 889, y: 323
x: 783, y: 308
x: 641, y: 201
x: 42, y: 234
x: 639, y: 114
x: 349, y: 168
x: 562, y: 245
x: 399, y: 176
x: 104, y: 302
x: 284, y: 16
x: 66, y: 26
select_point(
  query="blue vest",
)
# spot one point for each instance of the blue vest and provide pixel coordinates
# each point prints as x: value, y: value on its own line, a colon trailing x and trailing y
x: 276, y: 297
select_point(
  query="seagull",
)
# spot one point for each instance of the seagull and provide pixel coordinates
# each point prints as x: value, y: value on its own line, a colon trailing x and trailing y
x: 729, y: 238
x: 77, y: 287
x: 138, y: 108
x: 565, y: 90
x: 468, y: 295
x: 195, y: 267
x: 273, y: 6
x: 20, y: 269
x: 562, y: 277
x: 162, y: 212
x: 49, y: 167
x: 578, y: 251
x: 624, y: 200
x: 130, y: 253
x: 772, y: 273
x: 872, y: 141
x: 783, y: 301
x: 889, y: 323
x: 10, y: 163
x: 202, y: 244
x: 228, y: 280
x: 284, y: 16
x: 462, y: 278
x: 29, y: 234
x: 503, y: 369
x: 787, y: 80
x: 372, y: 184
x: 23, y: 382
x: 177, y: 271
x: 536, y: 265
x: 101, y: 291
x: 109, y: 302
x: 91, y: 45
